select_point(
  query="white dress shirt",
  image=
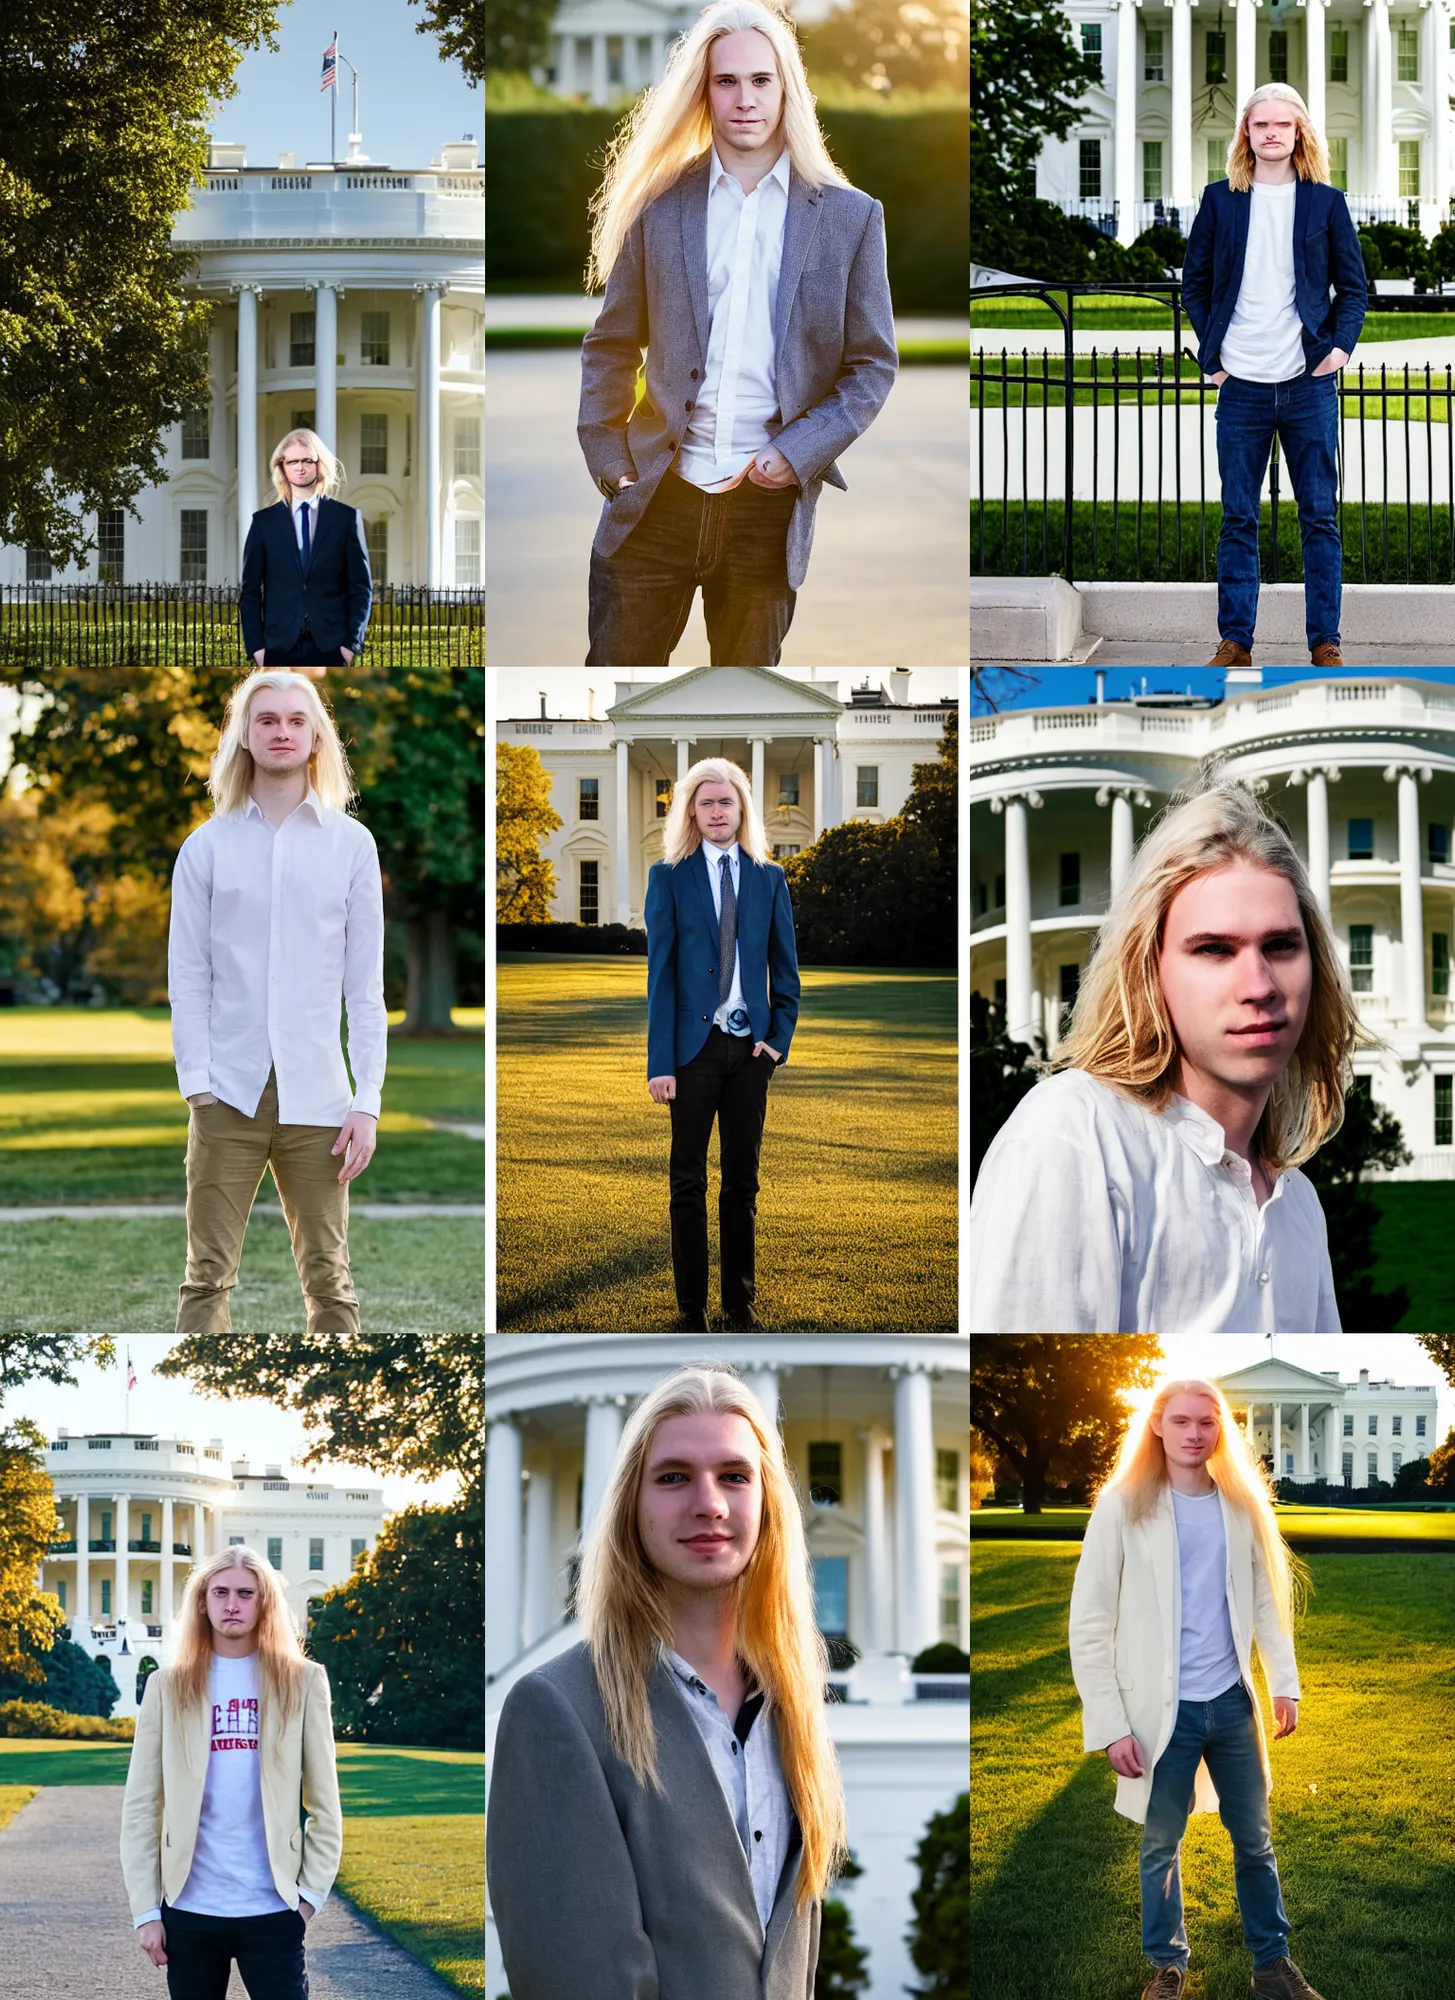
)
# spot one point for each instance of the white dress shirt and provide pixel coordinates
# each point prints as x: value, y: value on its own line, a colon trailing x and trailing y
x: 739, y: 389
x: 751, y: 1777
x: 1092, y: 1214
x: 713, y: 856
x: 298, y: 511
x: 271, y: 929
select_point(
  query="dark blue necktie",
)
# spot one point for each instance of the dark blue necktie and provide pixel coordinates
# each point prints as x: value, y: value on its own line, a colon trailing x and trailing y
x: 307, y: 514
x: 727, y: 932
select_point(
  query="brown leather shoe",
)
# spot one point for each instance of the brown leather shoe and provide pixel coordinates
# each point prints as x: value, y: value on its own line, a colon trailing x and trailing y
x: 1326, y: 656
x: 1167, y: 1983
x: 1231, y: 655
x: 1283, y: 1981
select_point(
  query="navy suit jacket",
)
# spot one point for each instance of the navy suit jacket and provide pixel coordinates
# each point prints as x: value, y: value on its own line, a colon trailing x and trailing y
x: 682, y: 978
x: 332, y: 596
x: 1328, y: 270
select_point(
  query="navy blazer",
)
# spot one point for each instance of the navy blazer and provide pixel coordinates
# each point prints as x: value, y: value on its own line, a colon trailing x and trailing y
x: 682, y: 981
x: 1326, y: 260
x: 332, y: 596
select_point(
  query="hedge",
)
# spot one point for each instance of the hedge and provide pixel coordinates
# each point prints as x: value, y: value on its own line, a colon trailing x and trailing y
x: 38, y: 1718
x: 595, y: 939
x: 543, y: 167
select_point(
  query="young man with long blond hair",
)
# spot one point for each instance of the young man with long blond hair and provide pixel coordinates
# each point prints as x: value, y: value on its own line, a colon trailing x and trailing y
x: 1152, y: 1182
x: 277, y: 924
x: 722, y: 1001
x: 230, y: 1828
x: 665, y: 1811
x: 306, y: 590
x: 736, y: 254
x: 1182, y: 1567
x: 1273, y: 281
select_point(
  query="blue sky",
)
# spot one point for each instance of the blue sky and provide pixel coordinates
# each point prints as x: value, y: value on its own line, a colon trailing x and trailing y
x: 1056, y: 687
x: 411, y: 102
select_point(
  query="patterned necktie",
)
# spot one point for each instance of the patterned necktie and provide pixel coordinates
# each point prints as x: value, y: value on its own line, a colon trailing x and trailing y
x: 727, y: 933
x: 307, y: 517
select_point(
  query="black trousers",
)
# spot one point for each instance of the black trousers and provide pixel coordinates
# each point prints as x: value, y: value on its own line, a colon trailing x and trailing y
x: 734, y: 544
x: 268, y: 1950
x: 304, y: 652
x: 725, y: 1081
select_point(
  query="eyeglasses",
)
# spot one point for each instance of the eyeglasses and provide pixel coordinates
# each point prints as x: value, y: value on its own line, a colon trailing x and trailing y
x: 300, y: 461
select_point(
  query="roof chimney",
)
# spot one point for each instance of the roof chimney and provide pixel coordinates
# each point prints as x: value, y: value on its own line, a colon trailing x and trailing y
x: 61, y: 1431
x: 241, y: 1468
x: 1363, y: 1378
x: 1101, y: 687
x: 272, y: 1472
x: 899, y: 687
x: 543, y: 704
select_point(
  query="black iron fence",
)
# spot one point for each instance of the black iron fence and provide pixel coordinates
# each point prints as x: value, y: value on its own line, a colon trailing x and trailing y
x: 1098, y: 465
x: 196, y: 625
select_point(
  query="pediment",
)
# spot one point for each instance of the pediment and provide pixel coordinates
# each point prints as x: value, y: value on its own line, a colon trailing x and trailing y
x: 1275, y: 1377
x: 739, y: 692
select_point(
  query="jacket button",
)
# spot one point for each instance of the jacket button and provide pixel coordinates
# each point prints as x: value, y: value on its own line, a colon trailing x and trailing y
x: 691, y: 406
x: 705, y: 1017
x: 694, y: 374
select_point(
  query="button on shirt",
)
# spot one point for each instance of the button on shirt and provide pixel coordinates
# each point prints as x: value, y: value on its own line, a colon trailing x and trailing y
x: 1093, y: 1214
x: 745, y: 1758
x: 739, y: 390
x: 271, y: 930
x: 735, y: 998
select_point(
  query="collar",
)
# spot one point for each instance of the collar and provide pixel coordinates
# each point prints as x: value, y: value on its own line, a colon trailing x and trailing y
x: 779, y: 171
x: 689, y: 1676
x: 312, y: 802
x: 308, y: 500
x: 1201, y: 1133
x: 717, y: 852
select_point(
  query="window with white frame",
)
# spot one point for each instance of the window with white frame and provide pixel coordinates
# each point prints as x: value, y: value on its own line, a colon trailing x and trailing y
x: 194, y: 545
x: 467, y: 447
x: 374, y: 441
x: 376, y: 538
x: 467, y: 555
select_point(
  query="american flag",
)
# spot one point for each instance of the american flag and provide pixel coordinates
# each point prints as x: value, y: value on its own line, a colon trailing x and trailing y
x: 130, y: 1373
x: 330, y: 66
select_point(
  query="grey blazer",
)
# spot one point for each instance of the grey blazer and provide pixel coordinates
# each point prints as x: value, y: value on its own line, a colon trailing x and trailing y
x: 833, y: 332
x: 604, y: 1890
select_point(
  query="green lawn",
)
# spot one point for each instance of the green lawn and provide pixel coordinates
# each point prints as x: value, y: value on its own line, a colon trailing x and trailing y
x: 856, y: 1205
x: 1302, y: 1523
x: 414, y: 1837
x: 1414, y: 1246
x: 89, y: 1111
x: 1126, y: 312
x: 1361, y: 1817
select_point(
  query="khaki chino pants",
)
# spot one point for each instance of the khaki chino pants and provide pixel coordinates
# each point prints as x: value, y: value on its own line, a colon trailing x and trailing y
x: 227, y: 1153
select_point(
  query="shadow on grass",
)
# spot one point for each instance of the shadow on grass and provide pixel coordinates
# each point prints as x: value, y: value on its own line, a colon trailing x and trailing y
x: 380, y: 1782
x: 640, y: 1262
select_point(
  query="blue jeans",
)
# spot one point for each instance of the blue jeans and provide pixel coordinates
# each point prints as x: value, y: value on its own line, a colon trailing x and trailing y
x: 1304, y: 415
x: 1225, y: 1732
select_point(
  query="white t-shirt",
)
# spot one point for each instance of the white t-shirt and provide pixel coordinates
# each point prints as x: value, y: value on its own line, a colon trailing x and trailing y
x: 1264, y: 340
x: 230, y: 1875
x: 1208, y: 1660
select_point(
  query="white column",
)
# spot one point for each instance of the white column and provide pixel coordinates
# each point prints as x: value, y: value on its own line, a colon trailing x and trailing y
x: 1125, y: 139
x: 1437, y: 104
x: 914, y: 1506
x: 1386, y: 159
x: 1018, y: 1005
x: 429, y: 429
x: 164, y: 1610
x: 1318, y: 837
x: 502, y: 1545
x: 1305, y: 1464
x: 540, y: 1501
x: 820, y: 759
x: 1411, y: 902
x: 603, y: 1435
x: 325, y: 363
x: 757, y: 748
x: 1369, y: 107
x: 1317, y: 63
x: 82, y: 1609
x: 600, y: 93
x: 623, y: 780
x: 122, y: 1504
x: 247, y: 412
x: 1246, y: 56
x: 684, y: 758
x: 876, y: 1546
x: 764, y: 1384
x: 1182, y: 110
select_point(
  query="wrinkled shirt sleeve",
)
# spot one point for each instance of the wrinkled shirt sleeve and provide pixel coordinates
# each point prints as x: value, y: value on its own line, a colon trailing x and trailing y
x: 1045, y: 1250
x: 189, y: 966
x: 364, y: 980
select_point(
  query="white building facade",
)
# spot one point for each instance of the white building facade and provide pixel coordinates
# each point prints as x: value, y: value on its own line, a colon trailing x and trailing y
x: 817, y: 754
x: 1361, y: 771
x: 1375, y: 75
x: 349, y: 300
x: 1309, y: 1427
x: 139, y: 1511
x: 606, y: 50
x: 876, y: 1428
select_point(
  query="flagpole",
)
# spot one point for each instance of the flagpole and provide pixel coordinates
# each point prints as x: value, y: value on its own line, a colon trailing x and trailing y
x: 333, y: 107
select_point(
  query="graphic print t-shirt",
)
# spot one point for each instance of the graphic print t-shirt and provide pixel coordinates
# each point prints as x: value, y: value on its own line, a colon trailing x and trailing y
x: 230, y: 1876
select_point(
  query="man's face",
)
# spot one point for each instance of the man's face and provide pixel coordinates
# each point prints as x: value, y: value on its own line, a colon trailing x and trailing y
x: 700, y: 1503
x: 744, y: 93
x: 1237, y: 975
x: 232, y: 1603
x: 1189, y: 1429
x: 719, y: 811
x: 280, y: 735
x: 301, y: 466
x: 1272, y: 130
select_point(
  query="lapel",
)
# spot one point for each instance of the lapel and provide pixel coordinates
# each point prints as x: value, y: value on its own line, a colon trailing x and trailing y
x: 698, y: 867
x: 1160, y: 1528
x: 747, y: 893
x: 692, y: 204
x: 805, y: 206
x: 783, y: 1900
x: 1242, y: 214
x: 682, y: 1745
x: 1303, y: 202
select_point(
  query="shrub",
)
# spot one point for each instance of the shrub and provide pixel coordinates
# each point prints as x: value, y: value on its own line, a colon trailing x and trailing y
x: 594, y: 939
x: 1373, y: 261
x: 37, y: 1718
x: 1404, y: 251
x: 1167, y: 244
x: 1442, y: 251
x: 943, y: 1657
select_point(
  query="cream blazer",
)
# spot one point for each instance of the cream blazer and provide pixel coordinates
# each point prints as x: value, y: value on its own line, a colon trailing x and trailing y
x: 165, y: 1780
x: 1126, y: 1621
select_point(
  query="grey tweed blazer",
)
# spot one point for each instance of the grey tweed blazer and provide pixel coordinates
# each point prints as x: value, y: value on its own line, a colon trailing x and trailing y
x: 604, y: 1890
x: 833, y: 331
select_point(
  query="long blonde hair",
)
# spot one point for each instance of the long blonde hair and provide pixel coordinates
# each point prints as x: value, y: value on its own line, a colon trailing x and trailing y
x: 1140, y: 1478
x: 625, y: 1619
x: 230, y: 780
x: 281, y: 1660
x: 670, y: 126
x: 1310, y: 154
x: 1121, y: 1030
x: 330, y: 465
x: 682, y: 836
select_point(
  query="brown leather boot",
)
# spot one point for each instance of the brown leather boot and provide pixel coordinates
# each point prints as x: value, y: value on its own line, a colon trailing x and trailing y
x: 1167, y: 1983
x: 1231, y: 655
x: 1327, y: 656
x: 1283, y: 1981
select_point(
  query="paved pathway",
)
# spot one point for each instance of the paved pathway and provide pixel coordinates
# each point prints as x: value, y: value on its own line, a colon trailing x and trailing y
x: 371, y: 1211
x: 65, y: 1930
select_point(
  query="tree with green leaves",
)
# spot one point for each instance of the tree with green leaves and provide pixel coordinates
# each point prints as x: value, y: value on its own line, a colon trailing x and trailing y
x: 889, y: 45
x: 525, y: 881
x: 460, y: 26
x: 104, y: 112
x: 1441, y: 1349
x: 999, y: 1077
x: 1051, y: 1404
x: 71, y: 1680
x: 1028, y: 84
x: 842, y: 1969
x: 939, y: 1942
x: 402, y: 1638
x: 1370, y: 1136
x: 517, y: 34
x: 30, y: 1620
x: 1440, y: 1479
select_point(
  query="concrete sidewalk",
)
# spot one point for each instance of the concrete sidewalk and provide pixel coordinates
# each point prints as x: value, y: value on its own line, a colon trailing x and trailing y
x: 66, y: 1931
